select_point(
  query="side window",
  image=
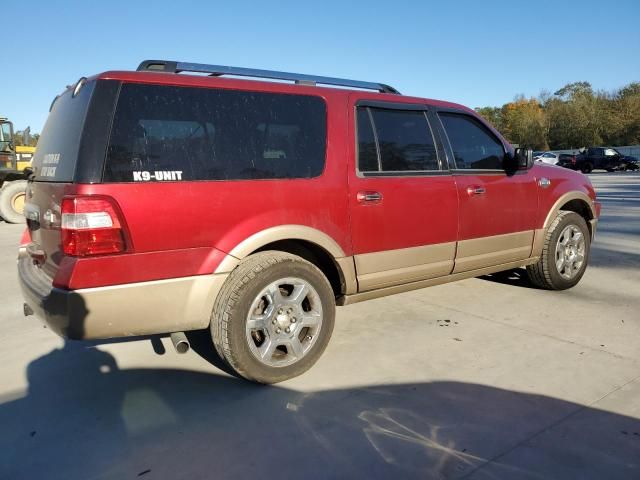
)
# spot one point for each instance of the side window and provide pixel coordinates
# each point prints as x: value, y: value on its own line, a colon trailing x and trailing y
x: 181, y: 133
x: 5, y: 137
x: 595, y: 152
x: 474, y: 147
x: 367, y: 149
x: 610, y: 152
x: 402, y: 142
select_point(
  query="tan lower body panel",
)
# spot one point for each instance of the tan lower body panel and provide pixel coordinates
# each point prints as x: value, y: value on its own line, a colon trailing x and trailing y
x: 348, y: 270
x: 383, y: 269
x: 487, y: 251
x: 383, y: 292
x: 161, y: 306
x: 538, y: 242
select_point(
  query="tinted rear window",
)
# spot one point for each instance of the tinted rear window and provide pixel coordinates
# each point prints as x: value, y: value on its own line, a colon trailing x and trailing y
x: 165, y: 133
x: 57, y: 153
x: 402, y: 141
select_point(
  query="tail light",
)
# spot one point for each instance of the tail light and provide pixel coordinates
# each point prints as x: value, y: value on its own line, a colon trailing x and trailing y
x: 26, y: 238
x: 573, y: 160
x: 92, y: 225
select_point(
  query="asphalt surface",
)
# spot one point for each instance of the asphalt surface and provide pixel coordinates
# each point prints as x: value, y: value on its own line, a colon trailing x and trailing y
x: 484, y: 378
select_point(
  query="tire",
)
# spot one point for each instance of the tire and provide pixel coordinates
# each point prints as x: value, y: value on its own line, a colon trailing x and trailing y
x: 586, y: 168
x: 545, y: 273
x: 266, y: 284
x: 12, y: 197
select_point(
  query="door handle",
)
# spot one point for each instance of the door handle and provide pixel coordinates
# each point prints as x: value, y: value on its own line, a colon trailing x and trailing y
x: 476, y: 190
x: 369, y: 197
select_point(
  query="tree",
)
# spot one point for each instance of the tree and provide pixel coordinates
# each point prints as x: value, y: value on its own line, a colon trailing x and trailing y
x: 18, y: 138
x: 493, y: 115
x: 525, y: 123
x: 574, y: 116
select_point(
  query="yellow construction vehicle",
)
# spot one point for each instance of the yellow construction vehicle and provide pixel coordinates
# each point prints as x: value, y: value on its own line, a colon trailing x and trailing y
x: 15, y: 168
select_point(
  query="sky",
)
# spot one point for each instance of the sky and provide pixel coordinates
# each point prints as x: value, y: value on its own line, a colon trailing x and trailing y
x: 478, y: 53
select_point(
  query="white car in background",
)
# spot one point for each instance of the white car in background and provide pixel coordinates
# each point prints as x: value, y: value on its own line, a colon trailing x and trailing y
x: 548, y: 157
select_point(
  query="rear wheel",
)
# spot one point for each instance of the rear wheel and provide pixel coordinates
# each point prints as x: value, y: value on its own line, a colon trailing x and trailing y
x: 586, y: 168
x: 12, y: 197
x: 273, y: 317
x: 565, y: 253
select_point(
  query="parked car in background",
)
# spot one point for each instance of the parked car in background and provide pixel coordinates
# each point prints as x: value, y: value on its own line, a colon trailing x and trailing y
x: 550, y: 158
x: 567, y: 160
x: 602, y: 158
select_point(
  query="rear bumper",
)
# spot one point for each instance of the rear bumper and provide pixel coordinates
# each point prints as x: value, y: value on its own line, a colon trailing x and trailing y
x: 144, y: 308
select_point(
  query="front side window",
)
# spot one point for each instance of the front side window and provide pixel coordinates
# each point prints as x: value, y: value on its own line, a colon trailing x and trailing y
x: 402, y: 142
x: 182, y: 133
x: 474, y: 147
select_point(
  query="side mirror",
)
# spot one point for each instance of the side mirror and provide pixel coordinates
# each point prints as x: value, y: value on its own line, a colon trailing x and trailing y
x: 524, y: 158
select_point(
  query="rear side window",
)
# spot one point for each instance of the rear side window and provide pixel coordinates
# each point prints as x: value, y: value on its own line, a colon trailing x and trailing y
x: 367, y: 148
x: 474, y: 147
x: 402, y: 141
x: 57, y: 153
x: 164, y: 133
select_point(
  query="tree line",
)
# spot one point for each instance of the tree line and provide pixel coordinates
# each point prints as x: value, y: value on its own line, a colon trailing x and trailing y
x: 18, y: 138
x: 573, y: 117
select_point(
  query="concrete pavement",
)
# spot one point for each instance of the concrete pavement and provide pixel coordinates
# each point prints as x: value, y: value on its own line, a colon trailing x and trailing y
x: 485, y: 378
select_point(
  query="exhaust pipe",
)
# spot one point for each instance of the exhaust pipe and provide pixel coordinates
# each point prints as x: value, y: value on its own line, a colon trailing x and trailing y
x: 180, y: 342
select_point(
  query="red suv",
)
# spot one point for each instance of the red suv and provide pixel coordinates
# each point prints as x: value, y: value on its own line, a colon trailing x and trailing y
x: 163, y: 202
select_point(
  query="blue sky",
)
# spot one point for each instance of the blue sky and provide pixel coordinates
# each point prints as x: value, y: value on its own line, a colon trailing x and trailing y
x: 477, y: 53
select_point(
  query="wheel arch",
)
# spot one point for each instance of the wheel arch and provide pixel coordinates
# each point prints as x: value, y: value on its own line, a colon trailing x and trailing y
x: 309, y: 243
x: 577, y: 202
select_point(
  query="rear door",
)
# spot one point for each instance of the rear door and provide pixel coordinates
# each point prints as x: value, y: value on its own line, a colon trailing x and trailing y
x: 402, y: 198
x: 497, y: 209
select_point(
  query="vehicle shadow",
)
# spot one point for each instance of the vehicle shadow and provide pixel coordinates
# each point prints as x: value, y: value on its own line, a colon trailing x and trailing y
x: 84, y: 418
x: 516, y: 277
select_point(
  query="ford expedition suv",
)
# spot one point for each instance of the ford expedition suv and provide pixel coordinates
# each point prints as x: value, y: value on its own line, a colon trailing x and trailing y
x: 163, y: 202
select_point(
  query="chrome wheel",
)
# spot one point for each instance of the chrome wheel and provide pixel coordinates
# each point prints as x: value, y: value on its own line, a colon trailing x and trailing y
x: 570, y: 251
x: 283, y: 322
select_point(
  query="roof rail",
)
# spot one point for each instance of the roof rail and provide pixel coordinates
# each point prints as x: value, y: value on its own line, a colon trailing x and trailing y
x: 299, y: 78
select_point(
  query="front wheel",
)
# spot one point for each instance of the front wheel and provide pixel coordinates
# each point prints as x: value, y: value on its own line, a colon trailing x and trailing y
x: 273, y: 317
x: 565, y: 253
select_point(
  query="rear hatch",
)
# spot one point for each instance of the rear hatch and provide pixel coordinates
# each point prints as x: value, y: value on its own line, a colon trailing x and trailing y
x: 77, y: 127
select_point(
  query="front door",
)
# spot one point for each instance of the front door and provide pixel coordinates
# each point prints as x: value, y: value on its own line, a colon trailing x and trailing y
x: 497, y: 209
x: 403, y: 200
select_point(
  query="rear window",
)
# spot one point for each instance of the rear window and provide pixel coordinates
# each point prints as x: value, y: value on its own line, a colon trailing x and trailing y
x: 163, y: 133
x: 57, y: 153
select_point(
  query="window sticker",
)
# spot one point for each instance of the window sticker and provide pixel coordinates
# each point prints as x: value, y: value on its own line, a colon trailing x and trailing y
x: 158, y: 176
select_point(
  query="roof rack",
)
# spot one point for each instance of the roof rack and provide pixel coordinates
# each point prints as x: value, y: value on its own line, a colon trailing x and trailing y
x: 299, y: 78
